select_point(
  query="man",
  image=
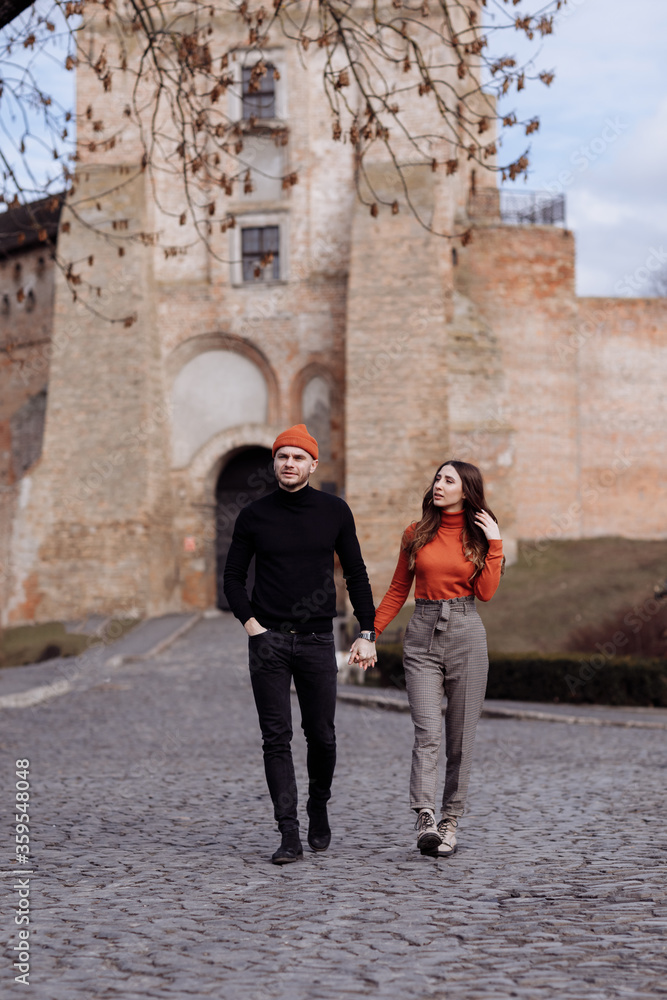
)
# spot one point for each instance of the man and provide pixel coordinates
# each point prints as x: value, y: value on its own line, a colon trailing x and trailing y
x: 293, y: 534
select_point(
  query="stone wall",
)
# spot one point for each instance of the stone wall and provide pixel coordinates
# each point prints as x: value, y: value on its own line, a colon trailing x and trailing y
x: 622, y: 348
x: 521, y: 281
x: 26, y: 323
x: 580, y: 396
x: 96, y: 511
x: 414, y: 348
x: 396, y: 356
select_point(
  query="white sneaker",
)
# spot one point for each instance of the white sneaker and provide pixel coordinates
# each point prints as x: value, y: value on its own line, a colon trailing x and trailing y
x: 428, y: 838
x: 447, y: 833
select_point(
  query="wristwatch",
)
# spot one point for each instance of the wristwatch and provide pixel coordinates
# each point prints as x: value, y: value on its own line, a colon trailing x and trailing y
x: 368, y: 636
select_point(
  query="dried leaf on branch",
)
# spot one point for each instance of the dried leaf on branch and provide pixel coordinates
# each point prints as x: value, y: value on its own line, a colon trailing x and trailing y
x: 186, y: 85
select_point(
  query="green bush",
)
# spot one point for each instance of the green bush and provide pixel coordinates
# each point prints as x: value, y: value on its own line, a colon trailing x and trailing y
x: 26, y: 644
x: 638, y: 630
x: 557, y: 677
x: 36, y: 643
x: 578, y: 678
x: 389, y: 669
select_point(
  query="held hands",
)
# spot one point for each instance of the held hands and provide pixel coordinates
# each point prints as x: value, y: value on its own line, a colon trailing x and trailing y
x: 487, y: 524
x: 362, y: 652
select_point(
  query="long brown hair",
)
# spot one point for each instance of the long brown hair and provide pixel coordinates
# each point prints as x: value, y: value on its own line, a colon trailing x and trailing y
x: 474, y: 541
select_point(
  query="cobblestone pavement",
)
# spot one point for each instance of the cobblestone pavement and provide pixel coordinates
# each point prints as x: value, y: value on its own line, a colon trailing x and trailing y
x: 152, y: 829
x: 21, y: 687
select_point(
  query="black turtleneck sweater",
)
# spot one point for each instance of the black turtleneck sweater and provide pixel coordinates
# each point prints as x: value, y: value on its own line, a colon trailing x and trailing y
x: 293, y: 537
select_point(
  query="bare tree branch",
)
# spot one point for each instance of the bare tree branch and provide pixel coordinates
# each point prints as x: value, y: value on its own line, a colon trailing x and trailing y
x: 409, y: 81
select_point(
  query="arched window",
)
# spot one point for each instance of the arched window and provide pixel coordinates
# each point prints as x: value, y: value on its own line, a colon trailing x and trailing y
x: 213, y: 391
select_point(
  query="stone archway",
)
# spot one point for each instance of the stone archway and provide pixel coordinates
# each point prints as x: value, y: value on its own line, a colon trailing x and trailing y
x: 213, y: 392
x: 247, y: 476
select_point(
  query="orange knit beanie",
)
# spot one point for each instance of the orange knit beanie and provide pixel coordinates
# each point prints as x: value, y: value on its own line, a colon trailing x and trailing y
x: 298, y: 437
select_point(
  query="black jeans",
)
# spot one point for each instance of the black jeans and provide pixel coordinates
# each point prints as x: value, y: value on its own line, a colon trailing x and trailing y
x: 276, y: 657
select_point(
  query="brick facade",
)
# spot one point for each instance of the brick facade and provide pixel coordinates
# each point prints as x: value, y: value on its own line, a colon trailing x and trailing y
x: 27, y: 277
x: 414, y: 350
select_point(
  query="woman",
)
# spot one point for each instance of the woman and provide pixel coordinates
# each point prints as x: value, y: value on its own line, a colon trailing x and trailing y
x: 456, y: 554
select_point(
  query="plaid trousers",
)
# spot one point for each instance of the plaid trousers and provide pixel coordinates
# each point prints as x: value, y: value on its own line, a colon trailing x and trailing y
x: 444, y: 652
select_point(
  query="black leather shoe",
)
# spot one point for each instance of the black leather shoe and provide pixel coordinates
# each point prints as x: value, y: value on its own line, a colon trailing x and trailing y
x: 319, y: 832
x: 289, y: 850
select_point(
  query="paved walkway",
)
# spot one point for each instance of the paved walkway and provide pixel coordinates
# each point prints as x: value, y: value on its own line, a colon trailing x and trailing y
x: 151, y: 832
x: 581, y: 715
x: 21, y: 687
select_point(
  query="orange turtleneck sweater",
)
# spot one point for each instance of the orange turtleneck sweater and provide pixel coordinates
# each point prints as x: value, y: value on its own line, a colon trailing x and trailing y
x: 441, y: 571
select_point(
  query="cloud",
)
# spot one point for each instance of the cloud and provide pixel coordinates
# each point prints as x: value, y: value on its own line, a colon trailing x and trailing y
x: 610, y: 67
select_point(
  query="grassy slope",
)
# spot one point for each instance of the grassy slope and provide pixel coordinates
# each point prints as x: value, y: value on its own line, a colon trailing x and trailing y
x: 545, y: 595
x: 26, y: 644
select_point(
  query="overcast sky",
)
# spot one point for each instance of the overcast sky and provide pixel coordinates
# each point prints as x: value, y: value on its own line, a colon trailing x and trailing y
x: 603, y: 138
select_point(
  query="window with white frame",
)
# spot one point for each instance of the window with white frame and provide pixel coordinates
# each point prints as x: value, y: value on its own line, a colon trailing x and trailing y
x: 258, y: 91
x: 258, y: 248
x: 260, y: 253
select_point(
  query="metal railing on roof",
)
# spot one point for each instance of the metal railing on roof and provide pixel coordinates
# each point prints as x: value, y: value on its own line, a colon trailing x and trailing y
x: 532, y: 208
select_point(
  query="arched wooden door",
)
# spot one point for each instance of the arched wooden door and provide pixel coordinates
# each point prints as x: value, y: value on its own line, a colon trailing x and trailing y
x: 246, y: 477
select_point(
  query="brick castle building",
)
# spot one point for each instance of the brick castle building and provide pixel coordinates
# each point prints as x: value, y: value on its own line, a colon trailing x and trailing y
x: 126, y: 451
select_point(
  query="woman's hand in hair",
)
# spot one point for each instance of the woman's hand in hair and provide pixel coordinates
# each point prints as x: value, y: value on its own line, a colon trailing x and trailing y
x: 487, y: 524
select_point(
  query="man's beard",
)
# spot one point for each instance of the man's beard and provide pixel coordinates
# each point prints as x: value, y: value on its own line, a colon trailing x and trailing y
x: 292, y: 484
